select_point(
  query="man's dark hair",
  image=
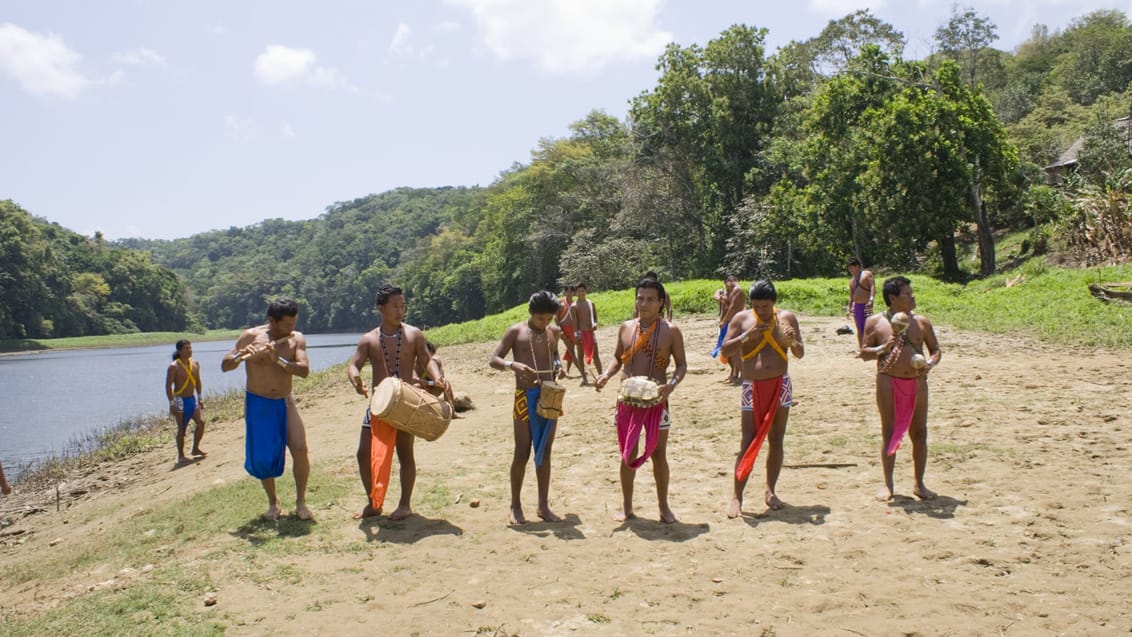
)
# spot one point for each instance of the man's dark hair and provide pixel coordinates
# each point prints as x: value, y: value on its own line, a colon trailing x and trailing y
x: 853, y: 261
x: 892, y: 287
x: 281, y: 307
x: 763, y: 291
x: 543, y: 302
x: 651, y: 275
x: 386, y: 291
x: 728, y: 277
x: 180, y: 346
x: 652, y: 284
x: 580, y: 286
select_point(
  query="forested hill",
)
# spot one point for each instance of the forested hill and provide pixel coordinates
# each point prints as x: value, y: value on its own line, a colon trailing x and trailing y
x: 331, y: 265
x: 59, y: 283
x: 763, y: 164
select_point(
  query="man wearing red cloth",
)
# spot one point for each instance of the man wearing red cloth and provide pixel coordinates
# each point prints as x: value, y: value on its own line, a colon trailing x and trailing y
x: 761, y: 339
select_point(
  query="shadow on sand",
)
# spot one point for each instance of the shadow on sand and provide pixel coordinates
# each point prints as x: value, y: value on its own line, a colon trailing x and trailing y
x: 408, y: 531
x: 567, y: 529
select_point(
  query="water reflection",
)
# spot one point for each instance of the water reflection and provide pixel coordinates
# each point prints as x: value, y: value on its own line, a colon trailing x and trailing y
x: 49, y: 397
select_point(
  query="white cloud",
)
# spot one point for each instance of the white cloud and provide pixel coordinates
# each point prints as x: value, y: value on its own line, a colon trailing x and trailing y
x: 138, y: 57
x: 42, y: 64
x: 400, y: 43
x: 287, y: 130
x: 447, y: 26
x: 569, y: 36
x: 281, y: 65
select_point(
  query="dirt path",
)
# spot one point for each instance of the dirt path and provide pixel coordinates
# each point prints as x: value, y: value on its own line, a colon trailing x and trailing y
x: 1030, y: 534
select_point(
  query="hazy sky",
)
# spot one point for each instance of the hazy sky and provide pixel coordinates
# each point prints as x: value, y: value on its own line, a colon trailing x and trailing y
x: 161, y: 119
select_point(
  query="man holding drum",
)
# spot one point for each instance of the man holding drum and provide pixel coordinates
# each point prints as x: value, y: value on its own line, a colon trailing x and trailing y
x: 645, y: 347
x: 274, y: 353
x: 902, y: 379
x: 760, y: 340
x: 533, y: 345
x: 393, y: 349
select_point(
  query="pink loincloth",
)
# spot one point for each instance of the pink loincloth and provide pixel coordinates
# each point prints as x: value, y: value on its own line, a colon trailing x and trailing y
x: 903, y: 406
x: 630, y: 421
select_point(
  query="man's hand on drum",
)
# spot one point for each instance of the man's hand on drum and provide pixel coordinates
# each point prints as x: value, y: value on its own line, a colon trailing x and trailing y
x: 664, y: 390
x: 359, y: 386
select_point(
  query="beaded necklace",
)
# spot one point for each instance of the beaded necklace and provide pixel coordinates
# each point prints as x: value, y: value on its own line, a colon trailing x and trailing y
x: 534, y: 359
x: 393, y: 370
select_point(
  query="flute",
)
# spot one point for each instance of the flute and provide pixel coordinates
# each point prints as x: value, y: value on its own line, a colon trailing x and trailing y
x: 246, y: 355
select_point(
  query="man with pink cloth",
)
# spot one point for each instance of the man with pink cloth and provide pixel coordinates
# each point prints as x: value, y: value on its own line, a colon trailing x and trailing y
x: 761, y: 340
x: 897, y: 340
x: 645, y: 347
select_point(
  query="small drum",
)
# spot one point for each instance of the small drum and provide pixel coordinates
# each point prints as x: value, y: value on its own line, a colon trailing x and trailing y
x: 639, y: 391
x: 900, y: 322
x: 550, y: 400
x: 410, y: 409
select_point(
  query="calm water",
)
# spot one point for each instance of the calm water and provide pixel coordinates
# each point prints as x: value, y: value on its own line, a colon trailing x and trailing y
x: 48, y: 398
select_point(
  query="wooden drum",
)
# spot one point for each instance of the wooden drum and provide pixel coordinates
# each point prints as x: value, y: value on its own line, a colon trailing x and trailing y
x: 410, y: 409
x: 550, y: 400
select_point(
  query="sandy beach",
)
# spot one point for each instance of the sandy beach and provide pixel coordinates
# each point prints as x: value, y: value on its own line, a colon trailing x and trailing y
x: 1030, y: 534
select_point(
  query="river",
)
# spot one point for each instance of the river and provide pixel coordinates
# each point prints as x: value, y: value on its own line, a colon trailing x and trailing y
x: 50, y: 398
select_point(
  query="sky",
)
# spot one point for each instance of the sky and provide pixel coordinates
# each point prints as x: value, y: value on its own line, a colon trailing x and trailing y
x: 162, y: 119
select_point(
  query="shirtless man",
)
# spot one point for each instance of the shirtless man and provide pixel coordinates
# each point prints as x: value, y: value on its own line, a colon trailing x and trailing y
x: 392, y: 349
x: 902, y: 381
x: 183, y: 389
x: 862, y: 289
x: 732, y: 305
x: 586, y: 316
x: 760, y: 340
x: 533, y: 345
x: 274, y: 353
x: 645, y: 347
x: 567, y: 325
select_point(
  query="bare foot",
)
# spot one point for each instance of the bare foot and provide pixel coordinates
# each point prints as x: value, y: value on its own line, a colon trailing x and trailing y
x: 736, y: 508
x: 668, y: 517
x: 515, y: 516
x: 272, y: 513
x: 200, y: 454
x: 923, y: 493
x: 400, y: 513
x: 302, y: 512
x: 772, y: 501
x: 621, y: 516
x: 548, y: 515
x: 884, y: 495
x: 367, y: 512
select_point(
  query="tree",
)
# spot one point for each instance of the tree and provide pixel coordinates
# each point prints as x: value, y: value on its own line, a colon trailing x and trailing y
x: 965, y: 38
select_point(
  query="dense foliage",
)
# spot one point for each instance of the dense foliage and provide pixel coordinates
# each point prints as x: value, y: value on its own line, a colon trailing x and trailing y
x: 738, y: 160
x: 59, y: 283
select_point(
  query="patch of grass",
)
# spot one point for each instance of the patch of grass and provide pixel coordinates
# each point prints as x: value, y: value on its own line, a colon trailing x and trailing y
x: 157, y: 606
x: 597, y: 618
x: 227, y: 510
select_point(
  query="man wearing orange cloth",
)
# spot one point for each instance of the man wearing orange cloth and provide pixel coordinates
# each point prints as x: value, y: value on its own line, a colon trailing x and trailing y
x: 761, y: 339
x: 393, y: 349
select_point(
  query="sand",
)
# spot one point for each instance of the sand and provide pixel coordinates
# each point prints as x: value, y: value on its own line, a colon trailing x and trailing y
x: 1029, y: 534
